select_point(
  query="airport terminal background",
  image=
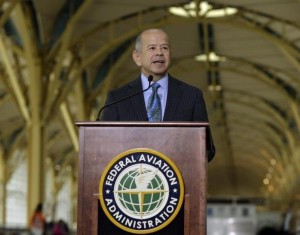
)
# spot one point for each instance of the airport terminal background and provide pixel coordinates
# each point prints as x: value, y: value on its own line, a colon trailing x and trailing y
x: 59, y: 58
x: 224, y: 217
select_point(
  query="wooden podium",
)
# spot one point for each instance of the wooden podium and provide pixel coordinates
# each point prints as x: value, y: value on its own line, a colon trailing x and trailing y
x: 183, y: 142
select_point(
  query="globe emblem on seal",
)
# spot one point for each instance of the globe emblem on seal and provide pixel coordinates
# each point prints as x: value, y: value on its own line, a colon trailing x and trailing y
x: 141, y: 191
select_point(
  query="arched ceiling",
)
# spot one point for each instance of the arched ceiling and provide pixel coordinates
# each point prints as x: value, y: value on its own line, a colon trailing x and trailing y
x: 59, y: 58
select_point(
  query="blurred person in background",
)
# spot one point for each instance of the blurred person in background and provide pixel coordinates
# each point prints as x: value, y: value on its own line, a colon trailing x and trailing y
x: 37, y: 221
x: 60, y: 228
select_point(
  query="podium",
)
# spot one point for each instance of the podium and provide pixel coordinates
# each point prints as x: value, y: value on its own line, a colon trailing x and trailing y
x: 183, y: 142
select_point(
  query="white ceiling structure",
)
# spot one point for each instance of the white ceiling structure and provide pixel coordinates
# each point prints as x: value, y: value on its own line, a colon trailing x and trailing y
x: 59, y: 58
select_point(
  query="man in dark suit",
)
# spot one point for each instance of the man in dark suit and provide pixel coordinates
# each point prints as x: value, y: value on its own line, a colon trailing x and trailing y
x: 178, y: 101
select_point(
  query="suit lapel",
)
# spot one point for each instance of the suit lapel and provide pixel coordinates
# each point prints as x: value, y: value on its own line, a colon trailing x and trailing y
x: 174, y: 96
x: 137, y: 101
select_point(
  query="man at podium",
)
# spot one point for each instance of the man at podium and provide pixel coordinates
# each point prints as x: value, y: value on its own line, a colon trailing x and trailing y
x: 172, y: 100
x: 155, y: 96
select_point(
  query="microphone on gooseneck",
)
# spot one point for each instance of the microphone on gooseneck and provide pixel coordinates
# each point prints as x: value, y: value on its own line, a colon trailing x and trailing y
x: 150, y: 78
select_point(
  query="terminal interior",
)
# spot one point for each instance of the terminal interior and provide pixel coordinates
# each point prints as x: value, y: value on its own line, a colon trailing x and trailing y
x: 59, y: 59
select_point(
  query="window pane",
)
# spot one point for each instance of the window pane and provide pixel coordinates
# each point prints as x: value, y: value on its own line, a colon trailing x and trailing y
x: 16, y: 197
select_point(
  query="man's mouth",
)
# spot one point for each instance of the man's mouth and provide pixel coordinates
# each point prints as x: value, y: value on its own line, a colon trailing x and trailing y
x: 159, y: 62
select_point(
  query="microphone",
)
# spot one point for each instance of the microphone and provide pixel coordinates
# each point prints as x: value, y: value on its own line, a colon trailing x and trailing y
x: 150, y: 78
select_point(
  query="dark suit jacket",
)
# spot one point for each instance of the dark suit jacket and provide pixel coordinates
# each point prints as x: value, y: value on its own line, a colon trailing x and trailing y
x: 184, y: 103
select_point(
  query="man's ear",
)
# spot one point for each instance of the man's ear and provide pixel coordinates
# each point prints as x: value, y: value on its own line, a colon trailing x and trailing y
x: 136, y: 57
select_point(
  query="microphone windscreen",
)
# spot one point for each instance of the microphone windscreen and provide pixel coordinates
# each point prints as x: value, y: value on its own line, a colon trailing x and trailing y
x: 150, y: 78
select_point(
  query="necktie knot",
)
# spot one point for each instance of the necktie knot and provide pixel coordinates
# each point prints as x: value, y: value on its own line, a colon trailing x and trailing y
x: 155, y: 87
x: 154, y: 105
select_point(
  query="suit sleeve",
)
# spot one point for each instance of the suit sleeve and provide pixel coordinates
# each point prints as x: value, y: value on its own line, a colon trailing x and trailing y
x: 200, y: 114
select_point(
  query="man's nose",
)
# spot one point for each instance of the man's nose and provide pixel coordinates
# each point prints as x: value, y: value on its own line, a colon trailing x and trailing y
x: 159, y: 51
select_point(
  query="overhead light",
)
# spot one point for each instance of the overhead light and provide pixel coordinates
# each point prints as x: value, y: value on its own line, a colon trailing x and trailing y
x: 57, y: 167
x: 266, y: 181
x: 205, y: 9
x: 212, y: 56
x: 213, y: 87
x: 273, y: 162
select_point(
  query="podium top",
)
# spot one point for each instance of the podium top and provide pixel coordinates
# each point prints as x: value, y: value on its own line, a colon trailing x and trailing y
x: 142, y: 124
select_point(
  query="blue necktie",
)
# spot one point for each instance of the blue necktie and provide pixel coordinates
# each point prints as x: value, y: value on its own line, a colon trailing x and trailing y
x: 154, y: 105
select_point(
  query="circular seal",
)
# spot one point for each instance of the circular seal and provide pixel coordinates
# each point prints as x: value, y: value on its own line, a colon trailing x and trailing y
x: 141, y: 191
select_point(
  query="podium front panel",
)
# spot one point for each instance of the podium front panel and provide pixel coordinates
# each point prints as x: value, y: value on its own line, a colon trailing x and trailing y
x: 183, y: 143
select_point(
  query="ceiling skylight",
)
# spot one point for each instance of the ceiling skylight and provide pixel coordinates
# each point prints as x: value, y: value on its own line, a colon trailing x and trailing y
x: 205, y: 10
x: 212, y: 56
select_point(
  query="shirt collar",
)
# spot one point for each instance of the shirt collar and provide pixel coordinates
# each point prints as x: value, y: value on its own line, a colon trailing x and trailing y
x: 163, y: 82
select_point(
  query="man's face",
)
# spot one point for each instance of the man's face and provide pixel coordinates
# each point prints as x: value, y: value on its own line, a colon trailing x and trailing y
x: 154, y: 55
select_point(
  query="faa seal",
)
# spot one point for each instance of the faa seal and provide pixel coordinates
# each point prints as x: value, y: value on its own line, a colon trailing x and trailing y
x: 141, y: 191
